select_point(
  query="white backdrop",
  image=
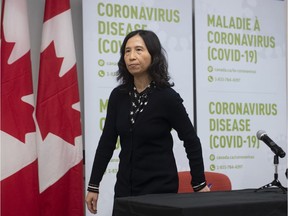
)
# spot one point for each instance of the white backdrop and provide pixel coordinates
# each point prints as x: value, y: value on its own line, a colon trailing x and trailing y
x: 247, y: 75
x: 241, y: 61
x: 103, y: 31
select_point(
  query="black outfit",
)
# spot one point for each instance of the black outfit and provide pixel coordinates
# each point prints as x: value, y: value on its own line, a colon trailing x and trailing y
x: 147, y: 164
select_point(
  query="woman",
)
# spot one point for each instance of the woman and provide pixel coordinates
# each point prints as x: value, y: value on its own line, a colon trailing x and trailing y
x: 142, y: 111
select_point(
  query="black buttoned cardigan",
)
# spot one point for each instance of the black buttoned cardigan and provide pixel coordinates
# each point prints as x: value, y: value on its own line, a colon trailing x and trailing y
x: 146, y: 161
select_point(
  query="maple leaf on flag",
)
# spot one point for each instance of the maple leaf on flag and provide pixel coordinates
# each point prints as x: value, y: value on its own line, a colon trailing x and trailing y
x: 56, y: 97
x: 16, y: 115
x: 19, y: 164
x: 59, y: 132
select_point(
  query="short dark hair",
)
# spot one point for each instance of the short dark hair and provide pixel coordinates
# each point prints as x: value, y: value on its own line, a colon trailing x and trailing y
x: 158, y: 70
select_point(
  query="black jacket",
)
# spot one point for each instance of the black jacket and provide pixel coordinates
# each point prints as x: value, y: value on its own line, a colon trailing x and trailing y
x: 147, y: 164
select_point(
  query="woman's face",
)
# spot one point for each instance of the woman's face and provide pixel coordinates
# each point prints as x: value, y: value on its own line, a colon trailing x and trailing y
x: 136, y: 56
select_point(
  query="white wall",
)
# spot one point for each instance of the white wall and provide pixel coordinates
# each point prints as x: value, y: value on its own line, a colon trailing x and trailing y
x: 287, y: 65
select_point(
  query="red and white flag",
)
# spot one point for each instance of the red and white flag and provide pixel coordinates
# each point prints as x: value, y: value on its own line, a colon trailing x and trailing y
x: 19, y: 175
x: 60, y: 151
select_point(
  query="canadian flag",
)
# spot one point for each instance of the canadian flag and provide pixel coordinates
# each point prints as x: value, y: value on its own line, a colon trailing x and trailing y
x: 60, y: 151
x: 19, y: 175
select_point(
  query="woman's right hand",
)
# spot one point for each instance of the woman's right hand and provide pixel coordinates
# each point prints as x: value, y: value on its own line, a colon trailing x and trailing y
x: 91, y: 201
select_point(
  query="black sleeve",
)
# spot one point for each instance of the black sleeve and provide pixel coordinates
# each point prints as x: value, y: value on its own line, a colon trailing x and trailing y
x: 181, y: 122
x: 106, y: 145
